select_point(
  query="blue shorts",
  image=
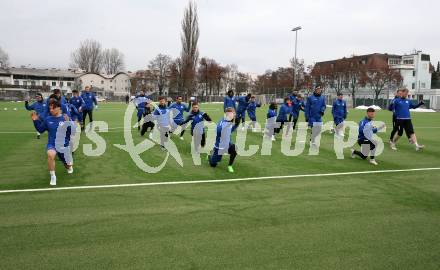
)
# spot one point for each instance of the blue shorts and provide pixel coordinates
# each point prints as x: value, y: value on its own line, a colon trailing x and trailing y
x: 338, y: 120
x: 216, y: 157
x: 60, y: 155
x: 241, y: 114
x: 179, y: 122
x: 252, y: 116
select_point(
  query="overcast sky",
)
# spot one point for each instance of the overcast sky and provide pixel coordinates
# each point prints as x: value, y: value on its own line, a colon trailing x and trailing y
x: 254, y: 34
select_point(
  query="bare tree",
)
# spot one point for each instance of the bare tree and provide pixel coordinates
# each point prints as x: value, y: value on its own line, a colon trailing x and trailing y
x: 112, y: 61
x: 88, y: 56
x: 380, y: 78
x: 190, y: 54
x: 160, y: 68
x: 4, y: 59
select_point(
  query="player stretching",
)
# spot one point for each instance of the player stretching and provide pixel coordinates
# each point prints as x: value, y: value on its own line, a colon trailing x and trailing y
x: 365, y: 138
x: 162, y: 115
x: 148, y: 120
x: 284, y: 114
x: 39, y: 106
x: 252, y: 112
x: 243, y: 103
x: 229, y: 101
x: 297, y: 106
x: 314, y: 111
x: 51, y: 124
x: 89, y: 100
x: 223, y: 143
x: 403, y: 119
x: 339, y: 112
x: 78, y: 103
x: 197, y: 128
x: 179, y: 119
x: 140, y: 101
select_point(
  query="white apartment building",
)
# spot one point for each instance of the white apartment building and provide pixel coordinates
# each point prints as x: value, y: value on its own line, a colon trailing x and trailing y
x: 106, y: 85
x: 415, y: 71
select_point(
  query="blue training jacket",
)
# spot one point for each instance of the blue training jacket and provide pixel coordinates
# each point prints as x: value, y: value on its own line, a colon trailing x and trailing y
x: 315, y: 107
x: 229, y: 102
x: 40, y: 107
x: 78, y: 102
x: 252, y: 109
x: 339, y: 109
x: 366, y: 129
x: 401, y: 107
x: 223, y: 134
x: 297, y: 106
x: 285, y: 110
x: 51, y: 124
x: 89, y: 100
x: 243, y: 103
x: 180, y: 107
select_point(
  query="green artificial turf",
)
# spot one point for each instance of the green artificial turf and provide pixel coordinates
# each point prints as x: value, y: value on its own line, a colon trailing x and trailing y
x: 374, y: 221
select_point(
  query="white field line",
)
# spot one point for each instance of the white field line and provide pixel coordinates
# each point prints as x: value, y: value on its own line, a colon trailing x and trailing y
x: 217, y: 181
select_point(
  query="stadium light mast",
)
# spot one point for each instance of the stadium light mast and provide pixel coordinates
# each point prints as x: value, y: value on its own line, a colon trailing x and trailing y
x: 296, y: 29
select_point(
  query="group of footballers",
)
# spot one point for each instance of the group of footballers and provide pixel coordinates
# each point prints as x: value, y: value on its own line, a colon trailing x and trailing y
x: 168, y: 116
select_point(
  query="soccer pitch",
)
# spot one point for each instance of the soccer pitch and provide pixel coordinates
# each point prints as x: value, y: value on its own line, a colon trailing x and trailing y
x: 323, y: 219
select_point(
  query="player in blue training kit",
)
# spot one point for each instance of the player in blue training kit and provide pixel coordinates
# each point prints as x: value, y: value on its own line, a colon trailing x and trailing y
x: 90, y: 102
x: 271, y: 121
x: 314, y: 111
x: 365, y: 138
x: 140, y: 101
x: 39, y: 106
x: 229, y: 101
x: 197, y: 127
x: 339, y: 112
x: 402, y: 108
x: 162, y: 116
x: 223, y: 143
x: 78, y: 103
x: 58, y: 143
x: 297, y: 106
x: 179, y: 119
x: 243, y: 103
x: 284, y: 114
x: 252, y: 112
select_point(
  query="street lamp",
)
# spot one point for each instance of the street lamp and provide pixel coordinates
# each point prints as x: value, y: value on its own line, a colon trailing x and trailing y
x: 296, y: 29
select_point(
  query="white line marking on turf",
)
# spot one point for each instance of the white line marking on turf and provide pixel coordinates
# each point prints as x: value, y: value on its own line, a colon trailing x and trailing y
x: 216, y: 181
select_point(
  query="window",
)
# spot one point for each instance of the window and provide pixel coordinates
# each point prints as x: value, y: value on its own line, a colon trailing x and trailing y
x: 16, y: 82
x: 69, y: 84
x: 25, y: 83
x: 414, y: 73
x: 423, y: 85
x: 33, y: 83
x: 1, y: 82
x: 111, y: 87
x: 394, y: 61
x: 408, y: 62
x: 426, y: 57
x: 43, y: 83
x: 413, y: 86
x: 54, y: 83
x: 61, y: 84
x: 102, y: 82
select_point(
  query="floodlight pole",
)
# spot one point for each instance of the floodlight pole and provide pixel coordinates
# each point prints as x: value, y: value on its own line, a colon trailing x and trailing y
x: 295, y: 82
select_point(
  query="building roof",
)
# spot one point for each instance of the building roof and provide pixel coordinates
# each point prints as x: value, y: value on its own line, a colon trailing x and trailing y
x: 380, y: 55
x: 39, y: 72
x: 104, y: 76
